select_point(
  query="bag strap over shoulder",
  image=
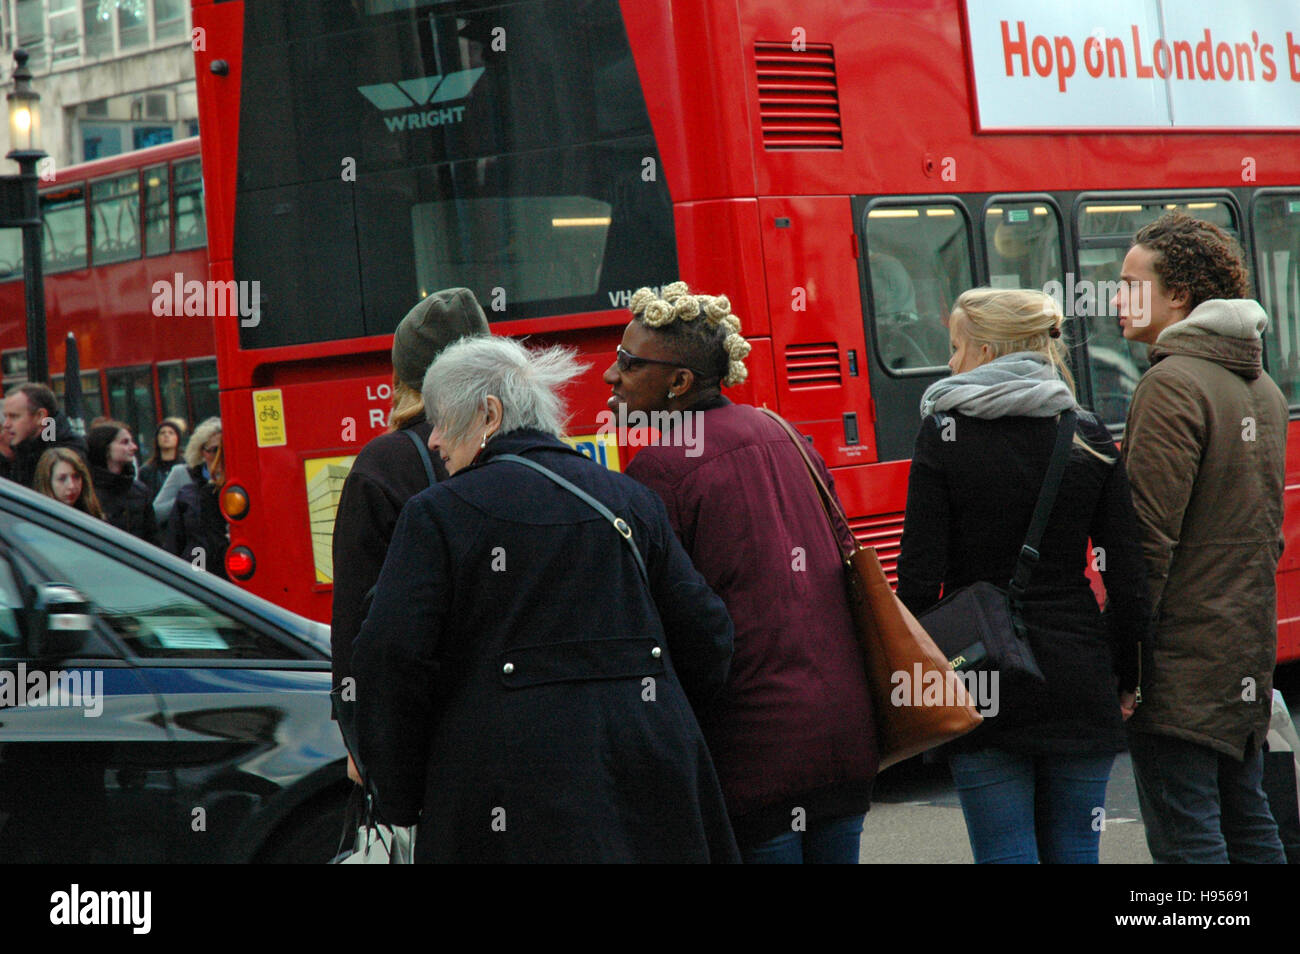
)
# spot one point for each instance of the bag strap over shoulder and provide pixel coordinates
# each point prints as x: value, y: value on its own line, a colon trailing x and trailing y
x: 830, y: 504
x: 618, y: 523
x: 423, y: 448
x: 1029, y: 555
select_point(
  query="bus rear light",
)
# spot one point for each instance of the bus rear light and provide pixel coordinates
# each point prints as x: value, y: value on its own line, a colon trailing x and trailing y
x: 240, y: 563
x: 234, y: 502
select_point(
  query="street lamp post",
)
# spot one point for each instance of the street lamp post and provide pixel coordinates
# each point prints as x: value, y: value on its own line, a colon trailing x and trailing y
x: 20, y: 207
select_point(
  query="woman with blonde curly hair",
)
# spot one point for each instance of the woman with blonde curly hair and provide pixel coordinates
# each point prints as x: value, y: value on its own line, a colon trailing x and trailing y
x: 197, y: 530
x: 792, y: 733
x: 1032, y: 778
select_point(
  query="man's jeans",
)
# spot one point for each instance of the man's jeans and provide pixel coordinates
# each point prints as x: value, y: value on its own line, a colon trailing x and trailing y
x: 1202, y: 807
x: 1026, y: 809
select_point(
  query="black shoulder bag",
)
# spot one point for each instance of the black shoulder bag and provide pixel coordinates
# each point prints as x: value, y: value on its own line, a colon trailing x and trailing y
x: 980, y: 627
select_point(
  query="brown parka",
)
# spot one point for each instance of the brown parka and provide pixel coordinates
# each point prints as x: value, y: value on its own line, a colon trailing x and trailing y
x: 1205, y: 449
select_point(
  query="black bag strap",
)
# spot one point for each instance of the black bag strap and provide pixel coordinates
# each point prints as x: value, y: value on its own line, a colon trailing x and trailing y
x: 617, y: 522
x: 423, y: 448
x: 1029, y: 555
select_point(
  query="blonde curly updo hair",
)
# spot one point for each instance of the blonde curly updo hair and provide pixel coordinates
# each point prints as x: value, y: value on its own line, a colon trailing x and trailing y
x: 700, y: 328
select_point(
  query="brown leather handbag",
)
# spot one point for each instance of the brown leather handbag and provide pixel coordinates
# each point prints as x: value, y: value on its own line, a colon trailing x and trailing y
x: 904, y: 666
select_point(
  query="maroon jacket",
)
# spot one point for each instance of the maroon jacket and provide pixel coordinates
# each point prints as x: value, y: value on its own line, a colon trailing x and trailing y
x: 793, y: 728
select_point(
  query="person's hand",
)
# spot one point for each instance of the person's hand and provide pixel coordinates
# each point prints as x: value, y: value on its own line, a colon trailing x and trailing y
x: 355, y: 774
x: 1128, y: 703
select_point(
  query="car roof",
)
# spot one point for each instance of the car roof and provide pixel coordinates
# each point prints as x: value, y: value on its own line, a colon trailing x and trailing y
x: 314, y: 633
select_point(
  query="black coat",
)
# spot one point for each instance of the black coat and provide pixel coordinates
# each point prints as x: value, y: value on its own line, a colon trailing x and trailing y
x: 520, y: 684
x: 387, y: 473
x: 196, y: 521
x: 27, y: 455
x: 969, y: 502
x: 126, y: 502
x: 153, y: 476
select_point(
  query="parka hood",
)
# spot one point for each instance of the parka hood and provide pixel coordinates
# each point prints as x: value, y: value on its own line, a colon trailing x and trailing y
x: 1225, y: 331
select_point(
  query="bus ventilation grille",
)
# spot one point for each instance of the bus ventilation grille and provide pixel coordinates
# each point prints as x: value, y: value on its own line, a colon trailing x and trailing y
x: 798, y: 98
x: 885, y: 533
x: 812, y: 365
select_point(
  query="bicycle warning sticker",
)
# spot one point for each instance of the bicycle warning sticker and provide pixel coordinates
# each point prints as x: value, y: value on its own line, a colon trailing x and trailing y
x: 268, y: 412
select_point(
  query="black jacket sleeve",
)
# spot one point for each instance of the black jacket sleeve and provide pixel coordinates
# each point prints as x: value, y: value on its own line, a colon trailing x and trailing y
x: 923, y: 558
x: 363, y: 525
x: 395, y: 662
x: 1117, y: 554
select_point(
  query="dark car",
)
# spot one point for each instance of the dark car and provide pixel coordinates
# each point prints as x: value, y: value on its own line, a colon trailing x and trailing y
x: 151, y: 712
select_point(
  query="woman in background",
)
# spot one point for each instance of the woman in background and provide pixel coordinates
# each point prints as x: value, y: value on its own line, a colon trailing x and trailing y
x: 166, y: 454
x: 127, y: 503
x: 62, y: 474
x: 197, y: 529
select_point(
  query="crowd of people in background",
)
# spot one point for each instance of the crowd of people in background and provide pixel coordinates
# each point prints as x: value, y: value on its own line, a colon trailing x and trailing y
x: 169, y: 501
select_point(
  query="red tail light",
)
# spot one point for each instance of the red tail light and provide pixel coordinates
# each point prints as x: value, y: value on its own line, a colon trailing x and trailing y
x: 240, y: 563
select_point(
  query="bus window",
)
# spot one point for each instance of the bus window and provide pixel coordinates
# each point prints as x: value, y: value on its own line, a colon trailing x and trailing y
x: 1106, y: 230
x: 1276, y: 220
x: 171, y: 389
x: 92, y: 402
x: 1023, y: 243
x: 553, y: 246
x: 1125, y: 217
x: 11, y: 254
x: 115, y: 218
x: 919, y: 262
x: 64, y: 211
x: 13, y: 367
x: 130, y: 399
x: 157, y: 211
x: 203, y: 389
x: 188, y: 176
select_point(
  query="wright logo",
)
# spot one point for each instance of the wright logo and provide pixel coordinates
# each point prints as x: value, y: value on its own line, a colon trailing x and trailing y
x: 421, y: 92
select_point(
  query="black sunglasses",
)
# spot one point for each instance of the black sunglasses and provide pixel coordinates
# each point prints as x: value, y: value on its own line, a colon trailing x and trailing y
x: 627, y: 361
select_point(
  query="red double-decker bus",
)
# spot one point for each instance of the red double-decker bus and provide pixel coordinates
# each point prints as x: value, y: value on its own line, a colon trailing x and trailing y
x: 841, y: 171
x: 118, y: 232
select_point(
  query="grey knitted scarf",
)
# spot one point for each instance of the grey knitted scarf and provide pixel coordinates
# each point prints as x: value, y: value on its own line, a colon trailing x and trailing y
x: 1023, y: 384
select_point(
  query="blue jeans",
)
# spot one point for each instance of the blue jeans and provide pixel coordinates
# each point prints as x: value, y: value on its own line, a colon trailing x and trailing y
x: 1022, y: 809
x: 1202, y: 807
x: 831, y: 841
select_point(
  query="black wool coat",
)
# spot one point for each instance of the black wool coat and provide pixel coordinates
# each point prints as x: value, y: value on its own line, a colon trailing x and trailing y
x: 970, y: 498
x: 127, y: 503
x: 386, y: 474
x: 196, y: 521
x: 521, y: 692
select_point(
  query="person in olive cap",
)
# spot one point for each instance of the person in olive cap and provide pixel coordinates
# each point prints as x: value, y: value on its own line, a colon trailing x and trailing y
x: 391, y: 469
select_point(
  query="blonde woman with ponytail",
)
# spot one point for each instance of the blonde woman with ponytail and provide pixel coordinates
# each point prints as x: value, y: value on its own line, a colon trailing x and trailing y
x: 792, y: 734
x: 1032, y: 778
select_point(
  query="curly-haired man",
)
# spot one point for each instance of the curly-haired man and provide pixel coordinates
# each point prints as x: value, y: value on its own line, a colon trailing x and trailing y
x: 1205, y: 448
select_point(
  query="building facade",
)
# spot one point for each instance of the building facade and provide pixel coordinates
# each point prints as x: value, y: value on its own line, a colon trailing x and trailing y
x: 113, y: 75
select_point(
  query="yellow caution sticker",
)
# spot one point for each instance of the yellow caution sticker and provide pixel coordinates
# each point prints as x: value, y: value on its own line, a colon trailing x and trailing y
x: 268, y: 412
x: 602, y: 448
x: 325, y: 477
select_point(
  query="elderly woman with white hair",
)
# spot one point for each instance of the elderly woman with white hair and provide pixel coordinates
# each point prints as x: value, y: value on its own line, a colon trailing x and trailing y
x: 538, y: 637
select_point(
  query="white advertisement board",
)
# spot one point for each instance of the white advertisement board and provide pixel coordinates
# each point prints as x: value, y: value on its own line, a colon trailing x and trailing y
x: 1126, y: 64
